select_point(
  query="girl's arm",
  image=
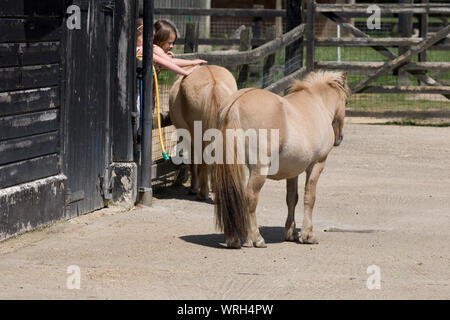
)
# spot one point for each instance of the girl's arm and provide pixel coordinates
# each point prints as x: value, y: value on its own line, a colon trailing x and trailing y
x: 179, y: 62
x: 186, y: 63
x: 171, y: 66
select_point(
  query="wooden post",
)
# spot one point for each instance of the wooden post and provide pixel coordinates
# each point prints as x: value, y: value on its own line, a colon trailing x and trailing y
x: 279, y: 20
x: 191, y: 38
x: 125, y: 75
x: 351, y: 20
x: 310, y: 35
x: 245, y: 45
x: 270, y: 60
x: 294, y: 52
x: 258, y: 23
x: 423, y: 20
x: 405, y: 30
x: 145, y: 189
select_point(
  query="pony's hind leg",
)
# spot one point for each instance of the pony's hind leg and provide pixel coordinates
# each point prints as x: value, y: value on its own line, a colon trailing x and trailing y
x: 194, y: 173
x: 291, y: 199
x: 312, y: 176
x: 194, y: 179
x: 254, y: 185
x: 203, y: 173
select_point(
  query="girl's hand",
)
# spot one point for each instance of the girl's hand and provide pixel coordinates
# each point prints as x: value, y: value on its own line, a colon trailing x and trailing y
x: 188, y: 72
x: 199, y: 61
x: 170, y: 54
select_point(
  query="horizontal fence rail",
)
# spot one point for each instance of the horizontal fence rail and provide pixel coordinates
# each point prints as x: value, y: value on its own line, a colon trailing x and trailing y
x: 430, y: 8
x: 444, y: 90
x: 261, y: 13
x: 223, y: 42
x: 252, y: 56
x: 386, y: 42
x: 373, y: 66
x: 333, y: 42
x: 345, y: 9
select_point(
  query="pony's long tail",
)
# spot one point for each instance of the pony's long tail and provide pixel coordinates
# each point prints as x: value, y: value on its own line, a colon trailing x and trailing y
x: 230, y: 204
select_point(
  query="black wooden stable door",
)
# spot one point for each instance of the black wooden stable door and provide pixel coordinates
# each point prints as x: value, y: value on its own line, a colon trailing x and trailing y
x: 30, y: 64
x: 87, y: 100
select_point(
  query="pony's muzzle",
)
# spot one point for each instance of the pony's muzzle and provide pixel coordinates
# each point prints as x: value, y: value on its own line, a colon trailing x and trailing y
x: 339, y: 140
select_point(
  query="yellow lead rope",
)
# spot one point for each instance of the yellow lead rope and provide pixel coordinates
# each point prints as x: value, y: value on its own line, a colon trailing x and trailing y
x: 164, y: 153
x: 155, y: 76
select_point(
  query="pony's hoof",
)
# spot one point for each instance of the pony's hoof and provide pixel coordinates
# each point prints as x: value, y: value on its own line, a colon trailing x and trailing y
x: 248, y: 243
x: 202, y: 197
x: 260, y: 243
x: 234, y: 244
x: 193, y: 191
x: 308, y: 238
x: 291, y: 236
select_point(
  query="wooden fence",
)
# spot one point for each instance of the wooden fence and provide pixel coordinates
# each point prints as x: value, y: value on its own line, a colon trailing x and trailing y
x: 438, y: 40
x: 301, y: 33
x: 339, y: 13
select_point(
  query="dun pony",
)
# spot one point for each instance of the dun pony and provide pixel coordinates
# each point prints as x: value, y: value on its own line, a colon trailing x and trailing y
x: 310, y: 120
x: 198, y: 97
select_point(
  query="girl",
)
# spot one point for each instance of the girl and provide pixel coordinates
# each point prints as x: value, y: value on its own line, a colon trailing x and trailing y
x: 164, y: 37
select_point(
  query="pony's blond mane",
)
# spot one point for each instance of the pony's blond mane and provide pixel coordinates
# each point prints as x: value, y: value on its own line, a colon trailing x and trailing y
x: 334, y: 79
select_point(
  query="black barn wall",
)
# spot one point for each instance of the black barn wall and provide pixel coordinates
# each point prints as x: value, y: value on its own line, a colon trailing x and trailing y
x: 65, y: 108
x: 31, y: 186
x: 30, y: 104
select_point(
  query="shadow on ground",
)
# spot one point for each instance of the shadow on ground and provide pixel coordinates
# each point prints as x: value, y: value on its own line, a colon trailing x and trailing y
x: 270, y: 235
x: 178, y: 192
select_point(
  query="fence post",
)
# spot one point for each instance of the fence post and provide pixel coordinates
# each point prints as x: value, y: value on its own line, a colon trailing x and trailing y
x: 279, y: 20
x: 311, y: 10
x: 423, y: 20
x: 191, y: 38
x: 258, y: 23
x: 270, y: 60
x: 405, y: 30
x: 294, y: 52
x: 145, y: 190
x: 245, y: 45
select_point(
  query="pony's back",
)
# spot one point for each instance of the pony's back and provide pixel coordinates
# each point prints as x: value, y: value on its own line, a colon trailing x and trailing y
x: 205, y: 90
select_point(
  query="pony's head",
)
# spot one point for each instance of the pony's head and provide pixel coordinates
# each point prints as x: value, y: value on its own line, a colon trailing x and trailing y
x: 337, y: 83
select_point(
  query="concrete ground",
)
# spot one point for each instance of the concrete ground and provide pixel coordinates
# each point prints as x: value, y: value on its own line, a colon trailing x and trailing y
x: 383, y: 200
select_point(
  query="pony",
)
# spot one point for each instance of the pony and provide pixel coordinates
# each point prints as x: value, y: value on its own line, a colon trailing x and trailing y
x: 310, y: 121
x: 198, y: 97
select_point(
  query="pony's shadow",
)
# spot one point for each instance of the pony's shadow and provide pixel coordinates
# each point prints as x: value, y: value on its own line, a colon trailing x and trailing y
x: 270, y: 235
x: 179, y: 192
x: 207, y: 240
